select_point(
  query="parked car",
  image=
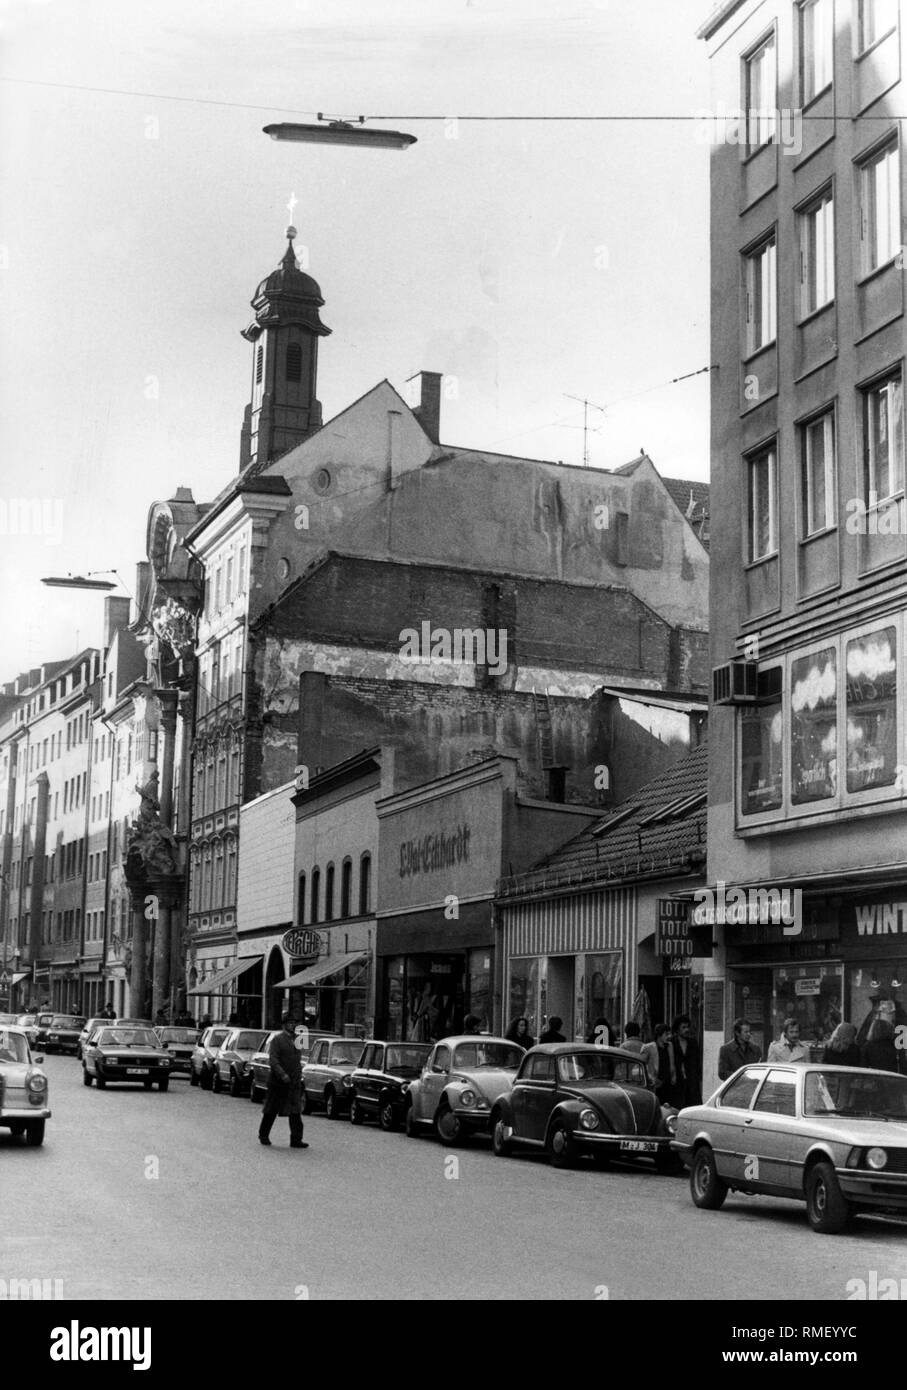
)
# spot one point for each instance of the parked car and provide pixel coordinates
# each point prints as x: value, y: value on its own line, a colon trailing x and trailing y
x: 326, y: 1076
x: 119, y: 1053
x: 29, y: 1022
x: 571, y: 1099
x: 462, y: 1081
x: 201, y: 1063
x: 260, y: 1072
x: 832, y: 1137
x: 23, y: 1087
x: 232, y: 1063
x: 90, y: 1025
x: 380, y: 1084
x: 63, y: 1033
x: 7, y: 1019
x: 180, y: 1043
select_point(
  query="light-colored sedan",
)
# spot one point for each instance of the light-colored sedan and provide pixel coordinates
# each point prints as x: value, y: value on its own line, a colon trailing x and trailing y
x: 834, y: 1137
x: 23, y: 1087
x: 460, y: 1085
x: 232, y: 1063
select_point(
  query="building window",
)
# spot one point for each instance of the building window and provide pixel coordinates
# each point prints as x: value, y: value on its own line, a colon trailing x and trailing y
x: 316, y: 892
x: 230, y: 885
x: 762, y: 529
x: 880, y: 200
x: 817, y: 254
x: 814, y: 727
x: 259, y: 362
x: 329, y: 894
x: 294, y: 362
x: 365, y: 884
x: 877, y: 18
x: 883, y: 436
x: 761, y: 296
x: 817, y: 48
x: 761, y: 94
x: 300, y: 900
x: 817, y: 465
x: 871, y: 686
x: 346, y: 888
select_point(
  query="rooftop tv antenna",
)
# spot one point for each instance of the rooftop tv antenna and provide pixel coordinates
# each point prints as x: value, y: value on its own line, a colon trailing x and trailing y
x: 585, y: 404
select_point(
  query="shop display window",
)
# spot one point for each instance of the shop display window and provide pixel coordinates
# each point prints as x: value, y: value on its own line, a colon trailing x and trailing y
x: 523, y: 991
x: 814, y: 727
x: 872, y: 710
x: 814, y: 996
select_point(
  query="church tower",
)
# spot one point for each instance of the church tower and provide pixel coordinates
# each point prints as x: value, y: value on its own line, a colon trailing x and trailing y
x: 284, y: 336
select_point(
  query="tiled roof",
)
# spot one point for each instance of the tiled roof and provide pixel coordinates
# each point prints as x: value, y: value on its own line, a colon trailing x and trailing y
x: 692, y: 498
x: 659, y: 831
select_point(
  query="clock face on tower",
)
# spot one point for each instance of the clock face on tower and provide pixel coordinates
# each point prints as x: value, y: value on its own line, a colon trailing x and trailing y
x: 283, y: 568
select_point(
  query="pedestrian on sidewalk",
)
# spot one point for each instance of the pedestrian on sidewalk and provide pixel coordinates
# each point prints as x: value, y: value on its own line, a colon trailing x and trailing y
x: 284, y: 1094
x: 646, y: 1050
x: 553, y: 1032
x: 843, y: 1050
x: 740, y: 1051
x: 788, y: 1048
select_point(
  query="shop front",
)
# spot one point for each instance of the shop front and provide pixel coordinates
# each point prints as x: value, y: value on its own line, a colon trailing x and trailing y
x: 848, y: 963
x: 425, y: 993
x: 328, y: 980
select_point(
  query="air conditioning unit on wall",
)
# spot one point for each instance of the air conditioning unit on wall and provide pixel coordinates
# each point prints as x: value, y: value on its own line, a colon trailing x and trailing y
x: 735, y: 683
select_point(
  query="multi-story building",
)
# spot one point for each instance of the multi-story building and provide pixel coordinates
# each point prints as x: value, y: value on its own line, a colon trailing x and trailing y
x: 808, y: 739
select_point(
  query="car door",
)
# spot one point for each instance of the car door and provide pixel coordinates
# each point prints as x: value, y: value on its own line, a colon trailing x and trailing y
x: 730, y: 1118
x: 767, y: 1132
x: 534, y: 1097
x: 314, y: 1072
x: 434, y: 1078
x: 376, y: 1067
x: 365, y: 1081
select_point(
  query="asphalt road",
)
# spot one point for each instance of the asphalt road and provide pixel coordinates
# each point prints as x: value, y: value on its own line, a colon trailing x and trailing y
x: 141, y: 1195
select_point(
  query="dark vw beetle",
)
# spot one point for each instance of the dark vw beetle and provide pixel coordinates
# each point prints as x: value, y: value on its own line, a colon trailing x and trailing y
x: 571, y: 1099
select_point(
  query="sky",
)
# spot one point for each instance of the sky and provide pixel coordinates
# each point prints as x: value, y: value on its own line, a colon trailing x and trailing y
x: 530, y: 261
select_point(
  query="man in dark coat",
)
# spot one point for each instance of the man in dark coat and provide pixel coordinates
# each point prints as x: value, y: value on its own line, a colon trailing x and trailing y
x: 739, y: 1052
x: 284, y: 1094
x: 685, y: 1065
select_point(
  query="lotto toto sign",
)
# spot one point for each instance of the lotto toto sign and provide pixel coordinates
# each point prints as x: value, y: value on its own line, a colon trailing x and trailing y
x: 672, y: 936
x: 302, y: 944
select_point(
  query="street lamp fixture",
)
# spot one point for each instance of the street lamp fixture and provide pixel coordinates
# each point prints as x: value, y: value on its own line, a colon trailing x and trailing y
x: 80, y: 581
x: 339, y: 132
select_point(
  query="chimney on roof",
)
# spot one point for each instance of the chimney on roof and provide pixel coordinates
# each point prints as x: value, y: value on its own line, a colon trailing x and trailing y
x: 427, y: 410
x: 116, y: 616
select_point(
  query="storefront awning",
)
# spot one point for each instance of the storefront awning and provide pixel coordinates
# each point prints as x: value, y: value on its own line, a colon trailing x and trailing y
x: 321, y: 970
x: 213, y: 984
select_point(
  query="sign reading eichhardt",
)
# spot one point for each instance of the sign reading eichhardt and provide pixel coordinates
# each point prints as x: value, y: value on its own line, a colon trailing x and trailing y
x: 433, y: 852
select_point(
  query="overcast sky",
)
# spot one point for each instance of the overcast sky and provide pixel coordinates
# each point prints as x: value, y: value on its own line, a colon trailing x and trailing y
x: 529, y: 259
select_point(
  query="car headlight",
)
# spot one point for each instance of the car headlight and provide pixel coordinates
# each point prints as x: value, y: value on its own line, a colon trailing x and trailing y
x: 468, y: 1097
x: 37, y: 1083
x: 876, y: 1158
x: 165, y: 1061
x: 347, y: 1081
x: 404, y: 1088
x: 246, y: 1068
x: 671, y: 1123
x: 588, y: 1119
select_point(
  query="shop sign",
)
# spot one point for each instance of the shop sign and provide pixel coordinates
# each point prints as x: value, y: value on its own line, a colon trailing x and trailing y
x: 301, y: 943
x: 676, y: 938
x: 881, y: 918
x: 435, y: 851
x: 809, y: 985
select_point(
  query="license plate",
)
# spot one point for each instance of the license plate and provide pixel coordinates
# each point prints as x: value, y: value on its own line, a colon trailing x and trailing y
x: 137, y: 1071
x: 638, y: 1146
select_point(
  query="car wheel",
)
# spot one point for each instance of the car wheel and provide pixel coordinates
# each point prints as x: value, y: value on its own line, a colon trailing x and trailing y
x: 217, y: 1085
x: 34, y: 1133
x: 410, y: 1127
x: 561, y: 1145
x: 17, y: 1129
x: 501, y: 1146
x: 146, y: 1085
x: 356, y: 1115
x: 387, y: 1115
x: 331, y: 1106
x: 235, y: 1087
x: 164, y: 1083
x: 448, y: 1126
x: 253, y: 1093
x: 86, y: 1079
x: 707, y: 1189
x: 100, y: 1081
x: 306, y: 1102
x: 827, y: 1208
x: 193, y: 1077
x: 206, y: 1080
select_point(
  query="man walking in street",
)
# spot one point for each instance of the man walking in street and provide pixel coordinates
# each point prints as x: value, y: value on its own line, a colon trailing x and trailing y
x: 788, y: 1048
x: 284, y: 1094
x: 739, y: 1052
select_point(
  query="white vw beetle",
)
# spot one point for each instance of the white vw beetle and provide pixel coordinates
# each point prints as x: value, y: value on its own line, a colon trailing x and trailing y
x: 460, y: 1083
x: 23, y: 1087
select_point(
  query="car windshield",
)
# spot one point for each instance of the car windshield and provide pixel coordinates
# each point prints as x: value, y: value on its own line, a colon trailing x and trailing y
x: 598, y: 1066
x: 26, y: 1020
x: 127, y: 1037
x: 406, y: 1059
x: 13, y: 1047
x: 8, y: 1018
x: 44, y: 1019
x: 67, y: 1021
x: 216, y: 1038
x: 342, y: 1052
x: 247, y: 1042
x: 855, y: 1094
x: 178, y: 1035
x: 501, y: 1056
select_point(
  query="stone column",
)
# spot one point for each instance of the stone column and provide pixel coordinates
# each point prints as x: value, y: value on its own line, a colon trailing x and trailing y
x: 138, y: 979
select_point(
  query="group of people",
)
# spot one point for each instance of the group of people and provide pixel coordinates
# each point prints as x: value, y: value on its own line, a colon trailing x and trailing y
x: 843, y: 1049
